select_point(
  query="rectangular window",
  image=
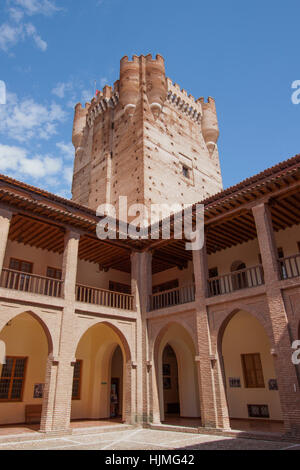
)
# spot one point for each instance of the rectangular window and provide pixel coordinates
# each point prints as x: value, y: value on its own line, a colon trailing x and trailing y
x: 119, y: 287
x: 20, y: 265
x: 258, y: 411
x: 77, y: 380
x: 253, y: 372
x: 18, y: 280
x: 13, y: 379
x: 165, y: 286
x: 54, y: 273
x: 185, y: 171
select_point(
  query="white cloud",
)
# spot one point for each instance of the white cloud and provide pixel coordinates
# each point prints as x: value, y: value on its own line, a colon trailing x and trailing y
x: 67, y: 150
x: 31, y: 31
x: 34, y: 7
x: 15, y: 30
x: 10, y: 35
x: 15, y: 161
x: 62, y: 88
x: 26, y: 119
x: 16, y: 14
x: 68, y: 174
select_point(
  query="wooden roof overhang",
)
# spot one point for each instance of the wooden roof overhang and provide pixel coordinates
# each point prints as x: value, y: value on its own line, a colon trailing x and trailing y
x: 41, y: 218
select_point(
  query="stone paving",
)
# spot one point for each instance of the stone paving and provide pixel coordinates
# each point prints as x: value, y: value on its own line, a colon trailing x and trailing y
x: 145, y: 439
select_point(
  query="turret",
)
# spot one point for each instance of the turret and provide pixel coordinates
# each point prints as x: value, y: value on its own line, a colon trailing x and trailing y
x: 156, y: 83
x: 129, y: 84
x: 210, y: 128
x: 79, y: 124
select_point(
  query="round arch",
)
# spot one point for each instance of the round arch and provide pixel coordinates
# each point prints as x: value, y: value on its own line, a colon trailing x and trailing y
x: 118, y: 332
x: 34, y: 313
x: 95, y: 349
x: 248, y: 368
x: 28, y: 346
x: 182, y: 343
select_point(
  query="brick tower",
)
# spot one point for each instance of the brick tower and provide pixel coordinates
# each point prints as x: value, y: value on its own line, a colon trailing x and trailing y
x: 145, y: 139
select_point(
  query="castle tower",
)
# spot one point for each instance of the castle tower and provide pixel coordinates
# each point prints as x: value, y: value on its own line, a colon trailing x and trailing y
x: 145, y: 139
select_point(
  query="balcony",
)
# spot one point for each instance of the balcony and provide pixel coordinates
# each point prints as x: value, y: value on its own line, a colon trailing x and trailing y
x: 242, y: 279
x: 289, y: 266
x: 31, y: 283
x: 106, y: 298
x: 169, y: 298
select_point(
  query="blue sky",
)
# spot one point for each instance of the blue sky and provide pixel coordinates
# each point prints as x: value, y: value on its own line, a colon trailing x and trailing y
x: 244, y: 54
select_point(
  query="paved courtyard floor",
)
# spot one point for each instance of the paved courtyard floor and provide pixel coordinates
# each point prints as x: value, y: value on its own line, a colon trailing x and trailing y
x: 145, y: 439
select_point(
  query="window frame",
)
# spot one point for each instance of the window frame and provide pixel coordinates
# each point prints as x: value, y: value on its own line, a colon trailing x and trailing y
x: 165, y: 286
x: 11, y: 379
x: 119, y: 287
x: 254, y: 369
x: 56, y: 271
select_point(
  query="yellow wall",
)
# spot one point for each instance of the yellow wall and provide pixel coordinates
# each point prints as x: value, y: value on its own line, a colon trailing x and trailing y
x: 25, y: 337
x: 95, y: 349
x: 179, y: 339
x: 244, y: 335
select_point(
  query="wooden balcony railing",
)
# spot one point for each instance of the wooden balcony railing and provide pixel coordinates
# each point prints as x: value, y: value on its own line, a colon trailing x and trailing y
x: 242, y: 279
x: 107, y: 298
x: 289, y: 266
x: 32, y: 283
x: 178, y: 296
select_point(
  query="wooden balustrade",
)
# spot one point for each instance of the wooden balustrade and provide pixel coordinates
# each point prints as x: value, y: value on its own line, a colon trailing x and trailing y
x: 26, y: 282
x: 107, y: 298
x: 178, y: 296
x: 289, y: 266
x: 242, y: 279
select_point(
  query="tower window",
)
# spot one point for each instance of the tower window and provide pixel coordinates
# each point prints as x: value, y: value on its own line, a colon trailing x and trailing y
x: 185, y: 171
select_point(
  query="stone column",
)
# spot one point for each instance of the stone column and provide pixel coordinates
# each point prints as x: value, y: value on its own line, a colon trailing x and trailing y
x: 59, y: 377
x: 5, y: 218
x: 141, y: 275
x: 286, y: 372
x: 213, y: 404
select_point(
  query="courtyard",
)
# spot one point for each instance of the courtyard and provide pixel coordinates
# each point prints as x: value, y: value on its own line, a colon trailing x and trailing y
x: 139, y: 439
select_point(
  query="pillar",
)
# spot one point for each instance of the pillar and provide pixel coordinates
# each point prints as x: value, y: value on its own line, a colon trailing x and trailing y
x: 59, y: 375
x: 213, y: 404
x: 288, y: 383
x: 141, y: 275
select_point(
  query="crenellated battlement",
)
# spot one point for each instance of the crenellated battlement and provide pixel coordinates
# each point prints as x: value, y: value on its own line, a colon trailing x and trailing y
x: 136, y: 59
x: 185, y: 103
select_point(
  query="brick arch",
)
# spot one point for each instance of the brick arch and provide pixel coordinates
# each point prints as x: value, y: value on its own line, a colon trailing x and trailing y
x: 127, y: 369
x: 156, y: 404
x: 255, y: 311
x: 157, y: 339
x: 36, y: 314
x: 121, y: 336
